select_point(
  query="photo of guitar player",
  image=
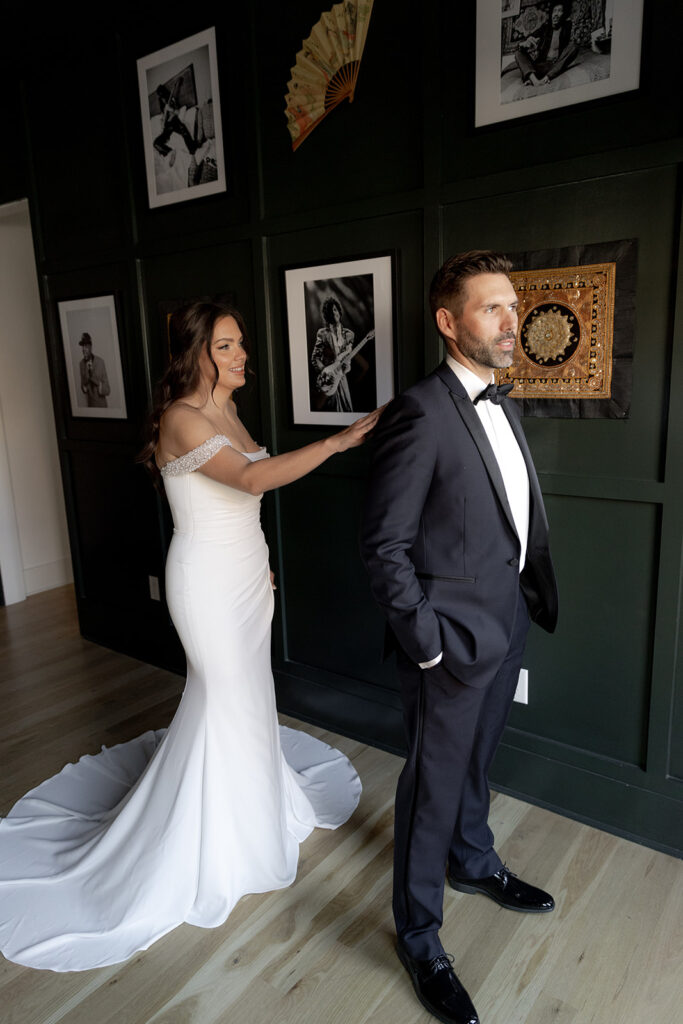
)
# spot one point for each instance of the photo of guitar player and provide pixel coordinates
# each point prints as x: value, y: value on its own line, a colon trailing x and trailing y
x: 342, y: 366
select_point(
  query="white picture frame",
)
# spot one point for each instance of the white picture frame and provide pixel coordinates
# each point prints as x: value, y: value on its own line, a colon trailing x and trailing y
x: 606, y: 65
x: 93, y: 371
x: 362, y: 289
x: 181, y: 121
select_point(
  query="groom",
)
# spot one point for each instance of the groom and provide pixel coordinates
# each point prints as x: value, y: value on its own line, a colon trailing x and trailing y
x: 455, y: 539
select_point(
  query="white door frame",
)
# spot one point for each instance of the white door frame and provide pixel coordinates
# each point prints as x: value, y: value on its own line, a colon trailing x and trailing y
x: 11, y: 563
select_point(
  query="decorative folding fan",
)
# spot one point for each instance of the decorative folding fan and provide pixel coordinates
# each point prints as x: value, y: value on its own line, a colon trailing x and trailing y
x: 327, y: 67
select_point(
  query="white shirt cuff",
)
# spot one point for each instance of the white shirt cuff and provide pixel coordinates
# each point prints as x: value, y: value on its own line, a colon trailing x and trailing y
x: 433, y: 662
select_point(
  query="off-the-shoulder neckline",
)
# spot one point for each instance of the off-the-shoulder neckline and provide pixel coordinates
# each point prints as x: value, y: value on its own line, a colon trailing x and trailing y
x: 261, y: 448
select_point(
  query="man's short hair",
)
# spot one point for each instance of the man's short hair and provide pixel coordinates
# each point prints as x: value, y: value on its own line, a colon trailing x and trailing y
x: 448, y: 284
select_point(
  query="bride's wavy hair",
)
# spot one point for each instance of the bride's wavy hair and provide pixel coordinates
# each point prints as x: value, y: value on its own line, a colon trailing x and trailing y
x: 190, y: 332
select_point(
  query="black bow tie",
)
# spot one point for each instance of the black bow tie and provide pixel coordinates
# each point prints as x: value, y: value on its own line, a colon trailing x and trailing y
x: 495, y: 393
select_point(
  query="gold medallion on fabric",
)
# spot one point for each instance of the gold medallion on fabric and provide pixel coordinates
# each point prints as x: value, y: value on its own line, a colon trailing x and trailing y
x: 564, y: 343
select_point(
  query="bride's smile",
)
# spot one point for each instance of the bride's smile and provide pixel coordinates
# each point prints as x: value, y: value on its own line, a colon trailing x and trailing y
x: 227, y: 354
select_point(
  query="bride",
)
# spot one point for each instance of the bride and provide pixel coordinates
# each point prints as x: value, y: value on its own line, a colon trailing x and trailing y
x: 101, y: 860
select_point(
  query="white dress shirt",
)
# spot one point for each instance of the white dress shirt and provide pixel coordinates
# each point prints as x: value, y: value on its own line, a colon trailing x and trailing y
x: 508, y: 456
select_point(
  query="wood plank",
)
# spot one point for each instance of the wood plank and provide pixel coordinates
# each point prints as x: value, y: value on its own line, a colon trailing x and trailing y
x: 322, y: 951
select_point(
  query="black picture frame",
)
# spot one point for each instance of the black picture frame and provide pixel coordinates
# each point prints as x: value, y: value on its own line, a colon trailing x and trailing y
x: 92, y: 357
x: 361, y: 289
x: 592, y: 61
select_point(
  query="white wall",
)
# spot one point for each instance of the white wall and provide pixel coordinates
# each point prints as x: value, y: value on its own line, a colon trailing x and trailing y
x: 30, y: 481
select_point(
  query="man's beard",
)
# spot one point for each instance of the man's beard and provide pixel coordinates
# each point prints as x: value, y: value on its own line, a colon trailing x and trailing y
x: 483, y: 351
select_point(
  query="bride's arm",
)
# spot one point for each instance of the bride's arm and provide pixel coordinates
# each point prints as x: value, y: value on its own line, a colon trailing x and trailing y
x: 187, y: 430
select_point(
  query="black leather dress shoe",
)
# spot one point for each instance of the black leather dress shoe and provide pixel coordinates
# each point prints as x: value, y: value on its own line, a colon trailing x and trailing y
x: 506, y: 889
x: 438, y: 988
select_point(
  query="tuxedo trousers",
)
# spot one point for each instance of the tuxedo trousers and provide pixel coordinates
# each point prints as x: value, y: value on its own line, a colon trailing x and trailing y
x: 442, y: 798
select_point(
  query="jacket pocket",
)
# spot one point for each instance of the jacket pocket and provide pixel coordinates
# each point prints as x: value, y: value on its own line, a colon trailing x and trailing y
x: 447, y: 579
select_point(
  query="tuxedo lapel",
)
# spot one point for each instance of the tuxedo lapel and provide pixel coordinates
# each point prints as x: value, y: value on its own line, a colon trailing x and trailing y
x: 534, y: 486
x: 470, y: 418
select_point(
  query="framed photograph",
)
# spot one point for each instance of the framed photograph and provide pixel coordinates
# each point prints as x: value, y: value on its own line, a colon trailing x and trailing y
x: 181, y: 121
x: 536, y: 55
x: 341, y: 339
x: 92, y: 357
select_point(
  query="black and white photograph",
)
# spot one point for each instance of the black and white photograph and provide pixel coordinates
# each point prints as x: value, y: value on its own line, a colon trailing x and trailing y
x: 92, y: 357
x: 181, y: 121
x: 340, y: 322
x: 536, y: 55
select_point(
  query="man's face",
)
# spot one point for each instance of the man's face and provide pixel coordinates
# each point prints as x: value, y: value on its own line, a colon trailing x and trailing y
x: 484, y: 331
x: 87, y: 351
x: 557, y: 15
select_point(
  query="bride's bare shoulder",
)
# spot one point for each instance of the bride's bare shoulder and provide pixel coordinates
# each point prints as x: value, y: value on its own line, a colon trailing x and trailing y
x: 181, y: 416
x: 182, y: 428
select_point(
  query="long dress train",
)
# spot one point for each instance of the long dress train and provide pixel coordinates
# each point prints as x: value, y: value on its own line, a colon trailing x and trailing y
x: 176, y: 825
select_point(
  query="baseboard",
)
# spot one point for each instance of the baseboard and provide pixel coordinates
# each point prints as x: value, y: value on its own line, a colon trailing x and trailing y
x: 48, y: 576
x: 359, y: 718
x: 641, y: 815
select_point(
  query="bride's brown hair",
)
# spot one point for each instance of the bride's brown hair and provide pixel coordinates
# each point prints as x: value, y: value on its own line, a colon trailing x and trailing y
x: 191, y: 329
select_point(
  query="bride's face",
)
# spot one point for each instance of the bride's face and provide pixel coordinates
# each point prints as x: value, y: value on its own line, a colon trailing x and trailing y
x: 227, y: 351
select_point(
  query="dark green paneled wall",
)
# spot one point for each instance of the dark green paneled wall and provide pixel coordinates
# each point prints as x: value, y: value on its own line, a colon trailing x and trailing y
x: 596, y: 699
x: 401, y: 170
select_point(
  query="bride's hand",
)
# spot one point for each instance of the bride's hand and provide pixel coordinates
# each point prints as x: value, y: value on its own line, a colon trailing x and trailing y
x: 354, y: 435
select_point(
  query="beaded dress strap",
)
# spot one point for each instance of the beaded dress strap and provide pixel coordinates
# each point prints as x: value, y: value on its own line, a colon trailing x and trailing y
x: 192, y: 460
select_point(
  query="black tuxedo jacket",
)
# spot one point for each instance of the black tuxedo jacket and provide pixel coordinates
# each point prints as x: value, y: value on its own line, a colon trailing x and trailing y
x: 438, y: 537
x: 545, y: 37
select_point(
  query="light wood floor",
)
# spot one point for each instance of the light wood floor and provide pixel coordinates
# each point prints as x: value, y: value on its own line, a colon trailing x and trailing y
x: 321, y: 952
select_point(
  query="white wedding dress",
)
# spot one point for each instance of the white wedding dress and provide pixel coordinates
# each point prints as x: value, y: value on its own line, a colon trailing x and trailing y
x: 101, y: 860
